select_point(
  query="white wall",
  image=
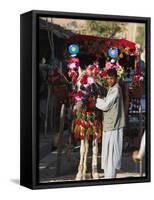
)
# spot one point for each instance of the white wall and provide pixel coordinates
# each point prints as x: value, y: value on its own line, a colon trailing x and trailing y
x: 9, y: 101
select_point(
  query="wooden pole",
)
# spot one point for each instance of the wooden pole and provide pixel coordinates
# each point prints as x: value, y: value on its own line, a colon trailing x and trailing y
x: 47, y: 111
x: 60, y: 140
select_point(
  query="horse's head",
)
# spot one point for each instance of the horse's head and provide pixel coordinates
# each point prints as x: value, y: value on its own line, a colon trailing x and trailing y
x: 88, y: 87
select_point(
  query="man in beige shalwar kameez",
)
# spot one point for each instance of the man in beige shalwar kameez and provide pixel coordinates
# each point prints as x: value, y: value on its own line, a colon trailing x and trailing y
x: 113, y: 123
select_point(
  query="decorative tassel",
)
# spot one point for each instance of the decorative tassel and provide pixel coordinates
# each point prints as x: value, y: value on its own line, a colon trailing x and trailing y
x: 75, y: 128
x: 88, y: 131
x: 94, y: 136
x: 88, y: 137
x: 83, y: 130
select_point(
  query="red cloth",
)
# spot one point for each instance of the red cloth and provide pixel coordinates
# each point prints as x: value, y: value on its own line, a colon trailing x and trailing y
x: 108, y: 42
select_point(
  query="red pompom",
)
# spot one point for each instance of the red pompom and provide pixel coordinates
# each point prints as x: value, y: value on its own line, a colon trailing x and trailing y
x: 95, y: 122
x: 83, y: 80
x: 74, y: 60
x: 90, y: 99
x: 79, y: 93
x: 89, y: 113
x: 136, y: 77
x: 103, y: 73
x: 94, y: 136
x: 81, y: 137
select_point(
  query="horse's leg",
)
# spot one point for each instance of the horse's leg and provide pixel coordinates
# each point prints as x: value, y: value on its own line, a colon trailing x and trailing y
x: 80, y: 167
x: 95, y: 174
x: 85, y: 159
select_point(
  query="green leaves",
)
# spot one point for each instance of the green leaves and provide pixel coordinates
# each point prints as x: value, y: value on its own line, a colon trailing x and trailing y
x: 104, y: 28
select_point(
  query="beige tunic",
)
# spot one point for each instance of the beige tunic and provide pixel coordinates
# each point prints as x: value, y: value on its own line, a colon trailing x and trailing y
x: 113, y: 109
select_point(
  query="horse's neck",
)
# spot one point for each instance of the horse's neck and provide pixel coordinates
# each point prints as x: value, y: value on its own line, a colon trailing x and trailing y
x: 81, y: 72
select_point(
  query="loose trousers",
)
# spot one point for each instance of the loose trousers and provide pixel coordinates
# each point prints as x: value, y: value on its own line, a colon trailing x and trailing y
x: 112, y: 143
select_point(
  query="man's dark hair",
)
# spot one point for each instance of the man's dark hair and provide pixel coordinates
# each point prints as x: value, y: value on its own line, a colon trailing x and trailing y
x: 112, y: 72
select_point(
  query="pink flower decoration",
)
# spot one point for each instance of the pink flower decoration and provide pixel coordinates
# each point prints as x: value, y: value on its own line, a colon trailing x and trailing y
x: 90, y: 80
x: 108, y: 65
x: 77, y: 98
x: 141, y: 78
x: 72, y: 66
x: 74, y: 60
x: 136, y: 77
x: 89, y: 71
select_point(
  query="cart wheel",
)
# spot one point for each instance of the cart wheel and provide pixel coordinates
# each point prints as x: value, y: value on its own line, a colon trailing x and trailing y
x: 60, y: 139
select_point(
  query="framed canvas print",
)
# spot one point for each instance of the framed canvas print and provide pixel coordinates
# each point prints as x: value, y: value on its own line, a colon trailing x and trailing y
x: 85, y: 99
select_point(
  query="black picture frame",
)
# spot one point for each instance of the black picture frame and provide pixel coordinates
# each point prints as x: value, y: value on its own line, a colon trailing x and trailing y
x: 29, y: 139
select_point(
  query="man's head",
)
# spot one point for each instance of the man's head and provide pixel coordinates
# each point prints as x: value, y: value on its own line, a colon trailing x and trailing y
x: 111, y: 77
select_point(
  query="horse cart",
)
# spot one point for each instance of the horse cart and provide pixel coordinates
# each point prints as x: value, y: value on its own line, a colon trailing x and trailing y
x: 77, y: 89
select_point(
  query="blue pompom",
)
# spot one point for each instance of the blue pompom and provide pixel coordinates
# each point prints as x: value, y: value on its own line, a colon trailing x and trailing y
x: 73, y: 49
x: 113, y: 52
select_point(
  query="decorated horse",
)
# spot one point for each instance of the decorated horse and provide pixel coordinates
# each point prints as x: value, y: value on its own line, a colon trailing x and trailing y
x: 87, y: 126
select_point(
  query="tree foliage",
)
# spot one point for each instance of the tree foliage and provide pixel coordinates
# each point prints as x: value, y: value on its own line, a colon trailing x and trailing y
x: 104, y: 28
x: 140, y: 38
